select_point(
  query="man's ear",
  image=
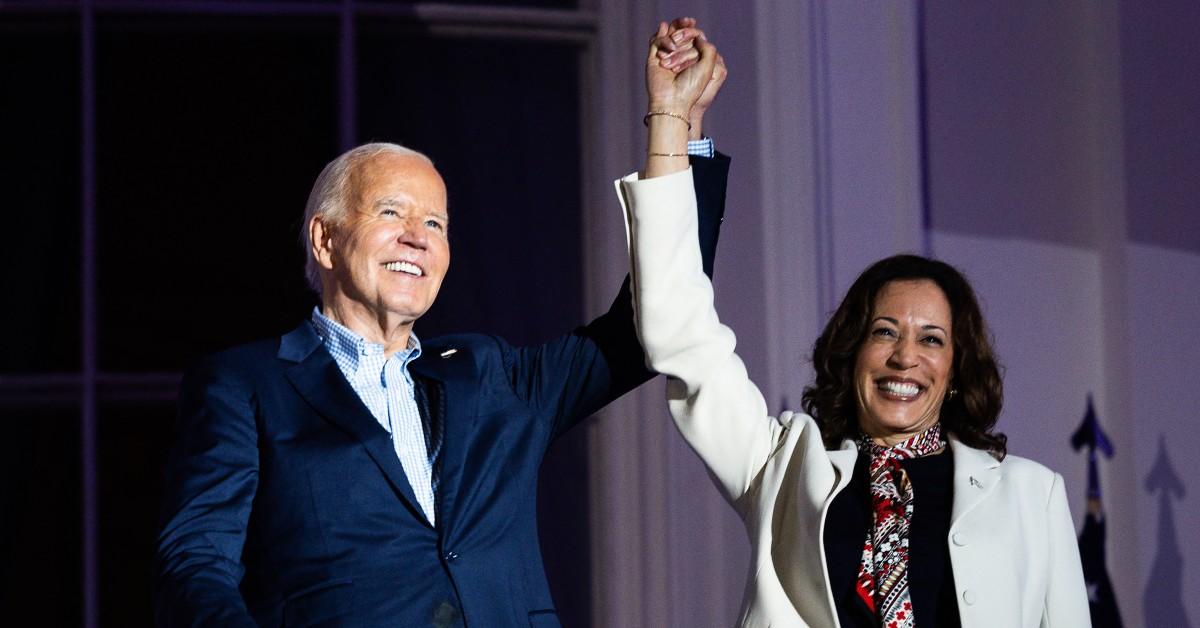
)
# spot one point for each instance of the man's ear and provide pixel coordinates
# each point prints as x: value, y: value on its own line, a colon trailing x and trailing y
x: 320, y: 234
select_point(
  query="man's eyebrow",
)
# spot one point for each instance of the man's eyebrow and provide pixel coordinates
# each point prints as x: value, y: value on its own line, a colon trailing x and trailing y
x: 395, y: 201
x: 390, y: 201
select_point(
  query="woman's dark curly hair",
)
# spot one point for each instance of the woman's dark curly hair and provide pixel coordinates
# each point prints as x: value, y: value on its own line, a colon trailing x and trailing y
x: 970, y: 414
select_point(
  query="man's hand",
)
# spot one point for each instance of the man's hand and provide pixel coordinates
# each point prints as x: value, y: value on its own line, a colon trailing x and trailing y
x: 677, y: 52
x: 696, y: 116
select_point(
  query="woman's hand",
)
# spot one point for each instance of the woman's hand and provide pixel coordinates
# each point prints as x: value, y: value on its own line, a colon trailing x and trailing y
x: 676, y: 53
x: 679, y: 67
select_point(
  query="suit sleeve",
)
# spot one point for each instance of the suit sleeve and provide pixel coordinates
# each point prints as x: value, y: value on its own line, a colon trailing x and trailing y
x: 581, y: 372
x: 1066, y: 593
x: 718, y: 410
x: 211, y: 481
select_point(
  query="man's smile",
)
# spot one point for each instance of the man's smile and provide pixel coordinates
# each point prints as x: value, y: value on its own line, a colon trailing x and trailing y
x: 405, y: 267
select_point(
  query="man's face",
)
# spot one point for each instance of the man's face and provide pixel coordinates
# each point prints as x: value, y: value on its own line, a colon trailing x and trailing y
x: 391, y: 253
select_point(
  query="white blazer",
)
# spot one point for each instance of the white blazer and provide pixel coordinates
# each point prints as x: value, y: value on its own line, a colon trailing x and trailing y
x: 1012, y: 542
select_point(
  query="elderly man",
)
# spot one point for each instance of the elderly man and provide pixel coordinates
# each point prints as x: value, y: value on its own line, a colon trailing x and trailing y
x: 349, y: 474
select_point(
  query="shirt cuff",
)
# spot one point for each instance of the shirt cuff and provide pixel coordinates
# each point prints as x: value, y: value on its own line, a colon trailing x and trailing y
x: 702, y: 147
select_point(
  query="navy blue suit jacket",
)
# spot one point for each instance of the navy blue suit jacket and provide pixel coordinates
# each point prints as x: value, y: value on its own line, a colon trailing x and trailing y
x: 287, y: 506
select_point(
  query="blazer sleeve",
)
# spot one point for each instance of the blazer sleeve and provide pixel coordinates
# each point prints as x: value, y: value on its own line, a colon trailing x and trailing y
x: 1066, y: 593
x: 577, y: 374
x: 211, y: 482
x: 719, y: 411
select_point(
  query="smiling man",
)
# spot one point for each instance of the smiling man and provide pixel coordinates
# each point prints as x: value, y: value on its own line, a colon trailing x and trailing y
x: 350, y: 474
x: 377, y: 231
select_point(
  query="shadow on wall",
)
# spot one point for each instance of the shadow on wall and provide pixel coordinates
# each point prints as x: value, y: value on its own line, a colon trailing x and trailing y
x: 1163, y: 599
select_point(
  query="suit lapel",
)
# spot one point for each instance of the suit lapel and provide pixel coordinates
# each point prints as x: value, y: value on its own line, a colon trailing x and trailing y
x: 317, y: 379
x: 450, y: 388
x: 976, y: 474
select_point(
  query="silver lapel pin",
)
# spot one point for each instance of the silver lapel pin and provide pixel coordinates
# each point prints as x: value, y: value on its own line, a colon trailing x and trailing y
x: 449, y: 352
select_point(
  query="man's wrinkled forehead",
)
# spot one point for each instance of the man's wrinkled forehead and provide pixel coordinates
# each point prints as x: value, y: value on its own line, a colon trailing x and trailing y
x: 395, y: 181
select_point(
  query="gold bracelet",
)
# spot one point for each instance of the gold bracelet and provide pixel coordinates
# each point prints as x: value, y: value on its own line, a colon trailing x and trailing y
x: 646, y: 118
x: 653, y: 154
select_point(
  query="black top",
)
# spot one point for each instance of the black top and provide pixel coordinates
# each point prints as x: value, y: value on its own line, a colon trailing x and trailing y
x: 930, y: 578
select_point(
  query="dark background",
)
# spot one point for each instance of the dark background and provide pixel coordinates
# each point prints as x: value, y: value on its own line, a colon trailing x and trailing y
x: 206, y: 126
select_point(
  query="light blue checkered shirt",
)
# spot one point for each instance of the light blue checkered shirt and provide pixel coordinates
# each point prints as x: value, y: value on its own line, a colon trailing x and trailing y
x: 702, y: 147
x: 386, y: 388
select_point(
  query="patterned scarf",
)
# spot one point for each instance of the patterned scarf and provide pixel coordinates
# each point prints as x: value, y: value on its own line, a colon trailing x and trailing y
x: 883, y: 573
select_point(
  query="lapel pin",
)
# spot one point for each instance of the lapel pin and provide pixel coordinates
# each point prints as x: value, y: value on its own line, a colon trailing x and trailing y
x: 449, y: 352
x: 975, y: 482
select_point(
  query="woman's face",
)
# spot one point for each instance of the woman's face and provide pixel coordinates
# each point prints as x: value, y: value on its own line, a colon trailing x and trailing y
x: 903, y: 367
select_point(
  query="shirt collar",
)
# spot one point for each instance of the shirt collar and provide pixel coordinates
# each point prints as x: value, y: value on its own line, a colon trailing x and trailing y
x: 348, y: 348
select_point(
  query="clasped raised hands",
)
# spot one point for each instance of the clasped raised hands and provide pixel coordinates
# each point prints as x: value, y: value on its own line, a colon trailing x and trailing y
x: 684, y: 72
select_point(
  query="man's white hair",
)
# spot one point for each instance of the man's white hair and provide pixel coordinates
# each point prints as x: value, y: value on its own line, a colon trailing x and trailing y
x: 331, y: 195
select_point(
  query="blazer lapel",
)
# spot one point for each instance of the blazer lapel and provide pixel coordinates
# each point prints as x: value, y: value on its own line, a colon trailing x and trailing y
x: 317, y: 379
x: 843, y: 460
x: 976, y: 474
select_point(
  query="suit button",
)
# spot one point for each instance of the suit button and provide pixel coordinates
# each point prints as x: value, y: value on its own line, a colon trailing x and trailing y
x: 959, y: 539
x: 445, y: 615
x: 969, y: 597
x: 451, y: 556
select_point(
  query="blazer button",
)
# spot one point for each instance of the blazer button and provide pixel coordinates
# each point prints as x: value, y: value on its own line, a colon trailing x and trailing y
x: 969, y: 597
x: 959, y: 539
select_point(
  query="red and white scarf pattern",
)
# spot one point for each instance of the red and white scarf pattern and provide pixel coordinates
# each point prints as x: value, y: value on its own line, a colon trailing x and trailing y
x: 883, y: 573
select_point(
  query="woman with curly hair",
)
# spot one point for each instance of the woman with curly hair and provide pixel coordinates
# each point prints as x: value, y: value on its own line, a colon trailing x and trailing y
x: 890, y: 501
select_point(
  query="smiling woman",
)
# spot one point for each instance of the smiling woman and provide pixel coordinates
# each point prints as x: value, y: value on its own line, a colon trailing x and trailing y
x: 893, y: 489
x: 902, y: 370
x: 892, y: 498
x: 903, y: 314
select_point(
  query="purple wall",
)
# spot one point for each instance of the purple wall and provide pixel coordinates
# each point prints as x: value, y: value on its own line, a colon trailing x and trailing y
x: 1063, y: 150
x: 1160, y: 62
